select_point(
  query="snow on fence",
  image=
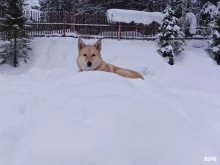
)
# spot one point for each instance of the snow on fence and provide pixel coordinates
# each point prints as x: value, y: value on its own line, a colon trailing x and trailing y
x: 129, y: 16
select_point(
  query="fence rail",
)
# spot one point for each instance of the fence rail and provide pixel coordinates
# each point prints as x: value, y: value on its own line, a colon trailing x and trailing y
x: 89, y: 26
x: 114, y: 31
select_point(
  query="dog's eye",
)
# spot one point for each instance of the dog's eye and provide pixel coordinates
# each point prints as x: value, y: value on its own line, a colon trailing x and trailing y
x: 84, y: 55
x: 93, y: 55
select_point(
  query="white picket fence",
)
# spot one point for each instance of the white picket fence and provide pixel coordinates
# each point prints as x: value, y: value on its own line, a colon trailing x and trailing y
x: 33, y: 15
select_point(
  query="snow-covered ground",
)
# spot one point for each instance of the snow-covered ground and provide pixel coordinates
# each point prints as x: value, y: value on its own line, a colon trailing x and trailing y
x: 52, y: 115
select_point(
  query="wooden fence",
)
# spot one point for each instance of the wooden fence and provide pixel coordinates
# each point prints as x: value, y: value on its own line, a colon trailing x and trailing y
x: 87, y: 26
x: 67, y: 17
x: 113, y: 31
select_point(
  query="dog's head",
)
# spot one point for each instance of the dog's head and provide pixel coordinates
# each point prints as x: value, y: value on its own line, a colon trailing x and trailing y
x: 89, y: 57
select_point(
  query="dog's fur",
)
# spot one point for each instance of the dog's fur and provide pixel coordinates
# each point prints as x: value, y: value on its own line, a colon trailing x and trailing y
x: 91, y: 54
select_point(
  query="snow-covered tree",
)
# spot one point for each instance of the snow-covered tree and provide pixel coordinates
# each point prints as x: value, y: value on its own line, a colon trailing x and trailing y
x: 170, y: 35
x: 93, y: 6
x: 89, y: 6
x: 177, y: 7
x: 3, y: 2
x: 190, y: 21
x: 145, y: 5
x: 205, y: 1
x: 30, y: 4
x: 57, y: 5
x: 16, y: 43
x: 214, y: 42
x: 207, y: 13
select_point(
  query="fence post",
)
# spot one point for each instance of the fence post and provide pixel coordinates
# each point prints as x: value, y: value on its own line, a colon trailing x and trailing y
x: 64, y: 29
x: 119, y: 32
x: 64, y: 25
x: 15, y: 49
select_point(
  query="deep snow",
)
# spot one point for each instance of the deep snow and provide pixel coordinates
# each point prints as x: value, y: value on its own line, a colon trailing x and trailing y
x: 52, y: 115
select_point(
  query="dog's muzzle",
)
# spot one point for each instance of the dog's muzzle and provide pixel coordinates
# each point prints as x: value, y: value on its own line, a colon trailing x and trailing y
x: 89, y: 64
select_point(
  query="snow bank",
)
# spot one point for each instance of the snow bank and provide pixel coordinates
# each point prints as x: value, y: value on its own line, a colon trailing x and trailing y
x: 52, y: 115
x: 139, y: 17
x: 62, y: 118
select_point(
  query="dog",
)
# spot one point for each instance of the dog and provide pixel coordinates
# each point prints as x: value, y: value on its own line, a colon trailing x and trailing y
x: 89, y: 59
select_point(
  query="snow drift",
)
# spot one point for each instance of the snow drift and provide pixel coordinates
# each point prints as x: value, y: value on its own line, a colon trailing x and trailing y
x: 52, y: 115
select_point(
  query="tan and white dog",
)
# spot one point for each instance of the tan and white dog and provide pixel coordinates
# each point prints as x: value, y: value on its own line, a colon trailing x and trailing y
x: 89, y: 59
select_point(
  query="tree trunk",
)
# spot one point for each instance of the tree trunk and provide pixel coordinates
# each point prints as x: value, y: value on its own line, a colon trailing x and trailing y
x: 15, y: 49
x: 185, y: 3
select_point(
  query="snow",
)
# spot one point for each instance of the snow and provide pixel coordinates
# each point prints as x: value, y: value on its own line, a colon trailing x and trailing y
x: 139, y: 17
x: 50, y: 114
x: 32, y: 3
x: 191, y: 22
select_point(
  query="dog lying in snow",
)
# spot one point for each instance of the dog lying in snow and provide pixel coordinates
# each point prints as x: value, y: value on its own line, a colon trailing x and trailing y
x: 89, y: 59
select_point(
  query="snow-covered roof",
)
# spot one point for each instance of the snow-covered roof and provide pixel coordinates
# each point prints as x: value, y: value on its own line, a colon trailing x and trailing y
x: 139, y: 17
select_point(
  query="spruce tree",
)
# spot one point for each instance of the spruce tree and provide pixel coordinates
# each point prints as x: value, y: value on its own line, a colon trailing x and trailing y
x: 214, y: 43
x: 170, y: 35
x: 177, y: 8
x: 58, y: 5
x: 207, y: 13
x: 17, y: 42
x: 90, y: 6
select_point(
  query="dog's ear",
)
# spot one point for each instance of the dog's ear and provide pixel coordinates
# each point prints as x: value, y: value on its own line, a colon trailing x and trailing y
x: 98, y: 45
x: 81, y: 44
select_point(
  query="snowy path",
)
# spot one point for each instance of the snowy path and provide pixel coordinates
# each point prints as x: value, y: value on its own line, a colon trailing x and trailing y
x: 50, y: 114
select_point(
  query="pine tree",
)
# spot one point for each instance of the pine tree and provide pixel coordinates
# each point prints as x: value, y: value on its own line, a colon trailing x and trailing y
x: 177, y: 8
x: 57, y: 5
x: 214, y: 43
x: 93, y: 6
x: 144, y: 5
x: 90, y: 6
x: 168, y: 35
x: 207, y: 13
x: 3, y: 3
x: 17, y: 42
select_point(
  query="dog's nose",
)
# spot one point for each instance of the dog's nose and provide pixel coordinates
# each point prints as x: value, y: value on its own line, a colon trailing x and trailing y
x: 89, y: 64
